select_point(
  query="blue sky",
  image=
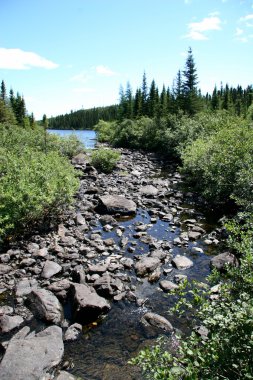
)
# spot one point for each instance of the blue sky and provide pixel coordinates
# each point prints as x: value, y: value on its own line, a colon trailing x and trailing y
x: 66, y: 55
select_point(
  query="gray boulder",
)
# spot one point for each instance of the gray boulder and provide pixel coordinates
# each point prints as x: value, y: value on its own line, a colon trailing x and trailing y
x: 32, y: 356
x: 73, y: 332
x: 44, y: 305
x: 182, y: 262
x: 167, y: 286
x: 50, y: 269
x: 156, y: 320
x: 222, y: 260
x: 9, y: 323
x: 113, y: 204
x: 146, y: 265
x: 63, y: 375
x: 149, y: 191
x: 87, y: 304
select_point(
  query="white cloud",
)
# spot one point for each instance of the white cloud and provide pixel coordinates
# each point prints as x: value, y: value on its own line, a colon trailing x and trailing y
x: 103, y: 70
x: 197, y: 30
x: 238, y: 32
x: 17, y: 59
x: 247, y: 18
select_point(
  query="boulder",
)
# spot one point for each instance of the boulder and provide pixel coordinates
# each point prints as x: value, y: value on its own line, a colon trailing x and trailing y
x: 116, y: 204
x: 146, y: 265
x: 63, y: 375
x: 222, y: 260
x: 50, y: 269
x: 87, y: 304
x: 79, y: 159
x: 182, y: 262
x: 73, y: 332
x: 167, y: 286
x: 156, y: 320
x: 44, y: 305
x: 4, y: 269
x: 149, y: 191
x: 32, y: 356
x: 9, y: 323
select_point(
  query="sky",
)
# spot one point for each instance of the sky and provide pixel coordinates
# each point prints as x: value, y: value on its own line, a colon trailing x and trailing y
x: 64, y: 55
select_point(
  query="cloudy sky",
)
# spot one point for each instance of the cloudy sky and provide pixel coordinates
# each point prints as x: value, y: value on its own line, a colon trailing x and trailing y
x: 66, y: 55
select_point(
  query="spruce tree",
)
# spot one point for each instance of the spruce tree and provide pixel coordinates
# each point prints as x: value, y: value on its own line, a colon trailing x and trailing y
x: 192, y: 101
x: 144, y: 95
x: 3, y: 91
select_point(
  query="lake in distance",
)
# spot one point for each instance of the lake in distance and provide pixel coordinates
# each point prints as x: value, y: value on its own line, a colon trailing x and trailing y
x: 87, y: 137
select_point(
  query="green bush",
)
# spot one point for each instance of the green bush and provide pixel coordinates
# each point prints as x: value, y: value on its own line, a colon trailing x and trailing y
x: 105, y: 130
x: 221, y: 166
x: 32, y: 186
x: 36, y: 179
x: 104, y: 159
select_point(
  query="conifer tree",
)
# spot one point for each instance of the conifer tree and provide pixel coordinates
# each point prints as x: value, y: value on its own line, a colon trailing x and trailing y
x: 192, y: 102
x: 144, y: 95
x: 3, y: 91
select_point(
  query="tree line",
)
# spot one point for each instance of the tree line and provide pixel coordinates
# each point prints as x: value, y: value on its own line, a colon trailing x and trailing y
x: 183, y: 96
x: 13, y: 109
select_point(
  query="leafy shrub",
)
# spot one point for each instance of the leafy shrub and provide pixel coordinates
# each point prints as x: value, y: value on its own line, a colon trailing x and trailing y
x: 35, y: 178
x: 221, y: 166
x: 33, y: 185
x: 104, y: 159
x: 105, y: 130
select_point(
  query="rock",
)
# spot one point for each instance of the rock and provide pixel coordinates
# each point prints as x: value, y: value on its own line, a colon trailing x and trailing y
x: 180, y: 278
x: 159, y: 254
x: 73, y: 332
x: 50, y: 269
x: 24, y: 287
x: 146, y: 265
x: 79, y: 159
x: 27, y: 262
x: 113, y: 204
x: 4, y: 269
x: 182, y: 262
x: 8, y: 323
x: 59, y: 286
x: 44, y: 305
x: 156, y: 320
x: 79, y: 275
x: 220, y: 261
x: 98, y: 268
x: 80, y: 220
x: 149, y: 191
x: 32, y: 356
x: 154, y: 276
x: 168, y: 285
x: 63, y: 375
x: 87, y: 304
x: 194, y: 235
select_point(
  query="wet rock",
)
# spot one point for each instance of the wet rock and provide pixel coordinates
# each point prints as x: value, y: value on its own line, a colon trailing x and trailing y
x: 87, y: 304
x: 9, y: 323
x: 116, y: 204
x: 44, y: 305
x: 182, y: 262
x: 146, y: 265
x: 160, y: 254
x: 107, y: 219
x: 156, y: 320
x: 127, y: 262
x: 194, y: 235
x: 79, y: 275
x: 32, y: 356
x: 50, y: 268
x: 73, y: 332
x: 154, y: 276
x: 180, y: 278
x: 168, y: 286
x: 222, y: 260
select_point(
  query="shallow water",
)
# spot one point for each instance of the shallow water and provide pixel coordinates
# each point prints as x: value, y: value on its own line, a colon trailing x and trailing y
x: 104, y: 349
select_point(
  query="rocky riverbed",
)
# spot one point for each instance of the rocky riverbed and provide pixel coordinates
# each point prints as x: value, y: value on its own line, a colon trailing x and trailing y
x: 80, y: 299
